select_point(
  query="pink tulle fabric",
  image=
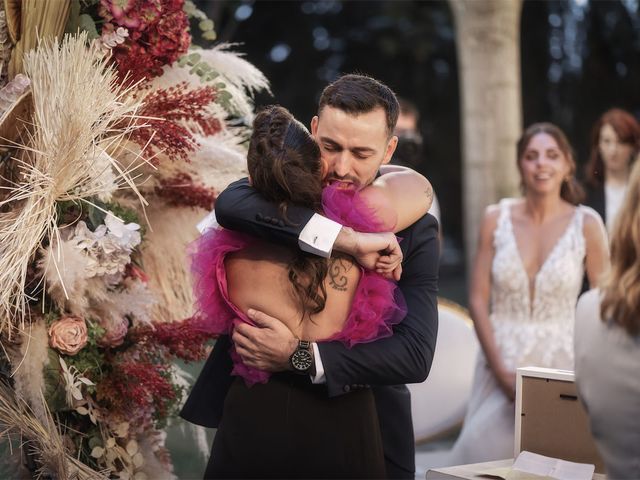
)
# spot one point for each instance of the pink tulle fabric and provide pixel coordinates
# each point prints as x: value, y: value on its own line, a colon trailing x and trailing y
x: 377, y: 303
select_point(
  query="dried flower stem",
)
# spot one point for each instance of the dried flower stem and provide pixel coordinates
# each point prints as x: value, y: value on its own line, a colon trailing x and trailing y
x: 77, y: 103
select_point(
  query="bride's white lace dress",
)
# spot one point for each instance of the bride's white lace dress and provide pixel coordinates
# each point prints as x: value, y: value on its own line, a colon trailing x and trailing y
x: 531, y: 329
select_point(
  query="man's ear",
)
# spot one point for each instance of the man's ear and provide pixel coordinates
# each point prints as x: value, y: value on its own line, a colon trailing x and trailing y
x: 391, y: 147
x: 314, y: 126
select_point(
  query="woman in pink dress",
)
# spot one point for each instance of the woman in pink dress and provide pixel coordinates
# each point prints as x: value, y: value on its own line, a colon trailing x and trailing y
x: 281, y: 425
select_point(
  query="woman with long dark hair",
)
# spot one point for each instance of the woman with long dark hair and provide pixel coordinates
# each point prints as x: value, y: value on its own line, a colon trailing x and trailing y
x: 281, y: 425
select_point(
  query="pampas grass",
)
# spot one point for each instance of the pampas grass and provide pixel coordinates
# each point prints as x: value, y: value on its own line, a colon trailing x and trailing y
x: 166, y: 262
x: 240, y: 77
x: 76, y: 103
x: 29, y: 363
x: 40, y: 439
x: 217, y: 162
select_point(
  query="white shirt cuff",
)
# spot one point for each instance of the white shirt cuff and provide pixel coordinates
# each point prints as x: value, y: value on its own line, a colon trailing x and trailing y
x: 210, y: 221
x: 319, y: 376
x: 319, y: 235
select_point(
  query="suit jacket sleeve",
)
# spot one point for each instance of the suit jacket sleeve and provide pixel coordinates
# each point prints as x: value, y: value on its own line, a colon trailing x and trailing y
x: 403, y: 358
x: 239, y: 207
x: 406, y: 356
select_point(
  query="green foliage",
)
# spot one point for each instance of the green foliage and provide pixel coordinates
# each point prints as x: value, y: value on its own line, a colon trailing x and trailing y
x: 80, y: 20
x: 205, y: 24
x: 91, y: 358
x: 69, y: 212
x: 55, y: 392
x: 207, y: 74
x: 127, y: 215
x: 94, y: 212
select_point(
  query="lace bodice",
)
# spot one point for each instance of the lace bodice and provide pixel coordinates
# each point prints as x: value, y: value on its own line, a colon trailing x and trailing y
x: 536, y: 331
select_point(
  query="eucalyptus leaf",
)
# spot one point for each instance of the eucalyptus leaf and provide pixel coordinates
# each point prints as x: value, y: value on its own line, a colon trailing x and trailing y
x: 87, y: 24
x: 97, y: 452
x: 209, y: 35
x: 95, y: 441
x: 206, y: 25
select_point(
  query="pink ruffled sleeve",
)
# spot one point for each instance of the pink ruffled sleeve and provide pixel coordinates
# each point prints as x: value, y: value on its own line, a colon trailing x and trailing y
x: 378, y: 303
x: 377, y: 306
x: 345, y: 206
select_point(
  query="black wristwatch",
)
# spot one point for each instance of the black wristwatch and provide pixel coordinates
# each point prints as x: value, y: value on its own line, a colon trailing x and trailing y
x: 302, y: 358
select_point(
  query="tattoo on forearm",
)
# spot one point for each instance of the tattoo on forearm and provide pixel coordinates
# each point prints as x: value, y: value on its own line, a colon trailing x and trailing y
x: 429, y: 193
x: 338, y: 273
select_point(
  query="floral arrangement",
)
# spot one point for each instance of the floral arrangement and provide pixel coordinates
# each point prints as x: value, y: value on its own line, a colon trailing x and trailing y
x: 124, y: 148
x: 158, y: 34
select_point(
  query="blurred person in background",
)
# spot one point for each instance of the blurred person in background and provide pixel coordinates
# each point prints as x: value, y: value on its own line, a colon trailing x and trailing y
x: 409, y: 152
x: 527, y: 274
x: 607, y: 346
x: 615, y: 140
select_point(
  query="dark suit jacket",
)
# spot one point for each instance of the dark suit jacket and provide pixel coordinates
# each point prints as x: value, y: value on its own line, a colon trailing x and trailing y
x: 385, y: 365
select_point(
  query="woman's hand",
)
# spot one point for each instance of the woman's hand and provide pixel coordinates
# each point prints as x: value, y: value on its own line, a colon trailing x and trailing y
x: 507, y: 382
x: 374, y: 251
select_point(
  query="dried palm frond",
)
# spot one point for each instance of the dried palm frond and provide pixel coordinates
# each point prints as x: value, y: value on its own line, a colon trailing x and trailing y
x: 41, y: 440
x: 77, y: 100
x: 14, y: 120
x: 6, y: 46
x: 12, y: 9
x: 39, y: 19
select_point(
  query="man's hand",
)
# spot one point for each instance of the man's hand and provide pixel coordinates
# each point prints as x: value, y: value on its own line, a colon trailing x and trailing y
x: 268, y: 345
x: 374, y: 251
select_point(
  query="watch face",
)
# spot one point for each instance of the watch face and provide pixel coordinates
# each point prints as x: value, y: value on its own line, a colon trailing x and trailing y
x: 301, y: 360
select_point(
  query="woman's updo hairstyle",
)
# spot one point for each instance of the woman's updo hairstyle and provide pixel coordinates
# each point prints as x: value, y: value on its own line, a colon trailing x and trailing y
x: 285, y: 167
x: 284, y: 160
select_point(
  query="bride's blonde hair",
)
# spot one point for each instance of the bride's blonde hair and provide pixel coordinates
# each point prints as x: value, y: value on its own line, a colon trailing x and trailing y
x: 621, y: 300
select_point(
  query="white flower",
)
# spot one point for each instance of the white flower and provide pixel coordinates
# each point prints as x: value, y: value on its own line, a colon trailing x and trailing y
x: 127, y: 233
x: 108, y: 249
x: 73, y: 382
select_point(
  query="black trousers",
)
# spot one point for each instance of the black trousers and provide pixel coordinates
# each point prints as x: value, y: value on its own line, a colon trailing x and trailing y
x: 289, y: 428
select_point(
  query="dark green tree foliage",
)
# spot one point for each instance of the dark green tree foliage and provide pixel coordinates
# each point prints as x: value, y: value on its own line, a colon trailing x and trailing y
x: 579, y: 58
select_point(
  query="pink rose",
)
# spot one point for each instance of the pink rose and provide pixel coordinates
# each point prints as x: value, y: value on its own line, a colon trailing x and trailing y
x: 68, y: 335
x: 114, y: 334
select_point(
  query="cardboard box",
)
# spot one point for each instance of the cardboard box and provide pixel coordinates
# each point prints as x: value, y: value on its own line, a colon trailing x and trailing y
x: 550, y: 419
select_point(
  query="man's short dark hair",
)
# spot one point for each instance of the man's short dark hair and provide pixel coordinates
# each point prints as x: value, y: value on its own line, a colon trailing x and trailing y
x: 356, y: 94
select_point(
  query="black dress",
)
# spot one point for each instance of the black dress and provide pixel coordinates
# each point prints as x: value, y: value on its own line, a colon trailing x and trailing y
x: 266, y: 432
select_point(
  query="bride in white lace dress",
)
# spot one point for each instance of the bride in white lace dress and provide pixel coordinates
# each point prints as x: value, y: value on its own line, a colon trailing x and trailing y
x: 528, y: 272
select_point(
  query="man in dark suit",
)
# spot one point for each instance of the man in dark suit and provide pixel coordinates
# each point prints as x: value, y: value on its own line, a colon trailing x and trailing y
x: 354, y: 129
